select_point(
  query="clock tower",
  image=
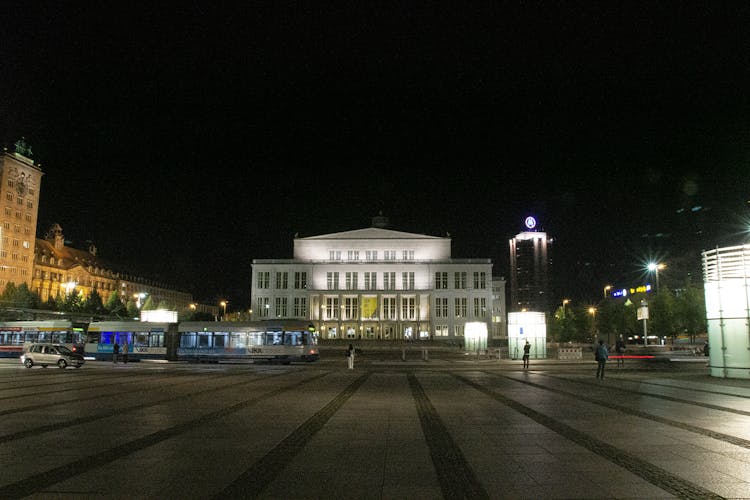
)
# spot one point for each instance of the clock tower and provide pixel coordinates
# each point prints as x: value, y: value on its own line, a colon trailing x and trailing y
x: 20, y: 180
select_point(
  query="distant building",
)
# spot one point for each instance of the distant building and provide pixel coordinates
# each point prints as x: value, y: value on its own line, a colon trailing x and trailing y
x: 530, y: 270
x: 62, y: 269
x: 376, y: 283
x: 46, y: 265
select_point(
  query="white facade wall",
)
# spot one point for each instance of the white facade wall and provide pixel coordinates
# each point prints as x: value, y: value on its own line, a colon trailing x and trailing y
x: 396, y: 309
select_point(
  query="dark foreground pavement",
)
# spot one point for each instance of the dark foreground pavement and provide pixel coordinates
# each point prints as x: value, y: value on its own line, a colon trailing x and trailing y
x: 446, y: 427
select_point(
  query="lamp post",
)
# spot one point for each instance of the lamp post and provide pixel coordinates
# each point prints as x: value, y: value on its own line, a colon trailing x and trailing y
x: 606, y: 289
x: 592, y: 312
x: 223, y: 304
x: 655, y: 267
x: 564, y: 302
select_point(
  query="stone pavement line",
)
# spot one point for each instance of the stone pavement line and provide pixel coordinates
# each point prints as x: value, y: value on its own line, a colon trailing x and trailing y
x: 57, y: 426
x: 727, y: 438
x: 38, y: 482
x: 657, y: 396
x: 457, y: 479
x: 646, y: 470
x: 252, y: 482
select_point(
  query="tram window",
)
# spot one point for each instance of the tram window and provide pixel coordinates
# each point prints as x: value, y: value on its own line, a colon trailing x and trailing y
x: 273, y: 338
x: 156, y: 340
x: 187, y: 340
x: 220, y: 339
x: 254, y: 338
x: 203, y: 340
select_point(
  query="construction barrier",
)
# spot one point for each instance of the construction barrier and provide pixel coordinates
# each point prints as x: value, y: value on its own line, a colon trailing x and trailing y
x: 570, y: 353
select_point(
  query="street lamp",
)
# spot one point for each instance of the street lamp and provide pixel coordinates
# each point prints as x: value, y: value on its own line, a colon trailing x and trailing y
x: 223, y: 304
x: 566, y: 301
x: 655, y: 268
x: 606, y: 289
x: 592, y: 312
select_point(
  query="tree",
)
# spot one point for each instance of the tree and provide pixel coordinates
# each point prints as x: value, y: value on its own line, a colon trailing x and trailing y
x: 661, y: 314
x: 93, y: 303
x: 115, y: 306
x: 690, y: 311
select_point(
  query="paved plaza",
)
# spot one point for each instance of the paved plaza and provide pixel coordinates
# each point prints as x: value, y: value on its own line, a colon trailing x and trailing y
x: 408, y: 428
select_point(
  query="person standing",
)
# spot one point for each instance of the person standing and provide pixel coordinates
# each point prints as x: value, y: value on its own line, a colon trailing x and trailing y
x: 350, y: 356
x: 601, y: 358
x: 620, y: 349
x: 115, y: 352
x: 125, y: 350
x: 526, y: 352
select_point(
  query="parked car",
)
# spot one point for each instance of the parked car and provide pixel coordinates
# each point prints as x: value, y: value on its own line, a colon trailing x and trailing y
x: 51, y: 354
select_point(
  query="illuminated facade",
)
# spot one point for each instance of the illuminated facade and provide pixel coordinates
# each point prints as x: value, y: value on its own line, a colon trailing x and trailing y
x: 376, y: 283
x: 530, y: 268
x: 46, y: 265
x: 61, y: 270
x: 19, y: 191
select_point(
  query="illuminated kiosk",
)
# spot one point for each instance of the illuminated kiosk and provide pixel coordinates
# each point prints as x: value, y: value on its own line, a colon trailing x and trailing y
x: 523, y: 326
x: 726, y: 275
x: 475, y: 335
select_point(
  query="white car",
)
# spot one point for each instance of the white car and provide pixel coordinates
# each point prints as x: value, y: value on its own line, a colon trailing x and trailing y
x: 51, y: 354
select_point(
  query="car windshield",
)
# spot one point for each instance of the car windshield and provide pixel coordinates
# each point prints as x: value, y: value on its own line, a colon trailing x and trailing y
x: 64, y: 350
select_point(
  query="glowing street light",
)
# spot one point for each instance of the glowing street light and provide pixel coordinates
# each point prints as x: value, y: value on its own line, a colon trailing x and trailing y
x: 223, y: 304
x: 564, y: 303
x: 606, y: 289
x: 655, y: 268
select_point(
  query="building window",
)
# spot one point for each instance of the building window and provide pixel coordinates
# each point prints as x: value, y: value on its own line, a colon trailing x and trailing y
x: 408, y: 308
x: 480, y: 281
x: 389, y: 307
x: 371, y: 281
x: 460, y: 306
x: 389, y: 255
x: 480, y: 307
x: 300, y: 307
x: 407, y: 255
x: 441, y: 307
x: 389, y: 281
x: 334, y: 255
x: 458, y: 330
x: 371, y: 254
x: 281, y: 307
x: 331, y: 308
x: 282, y: 280
x: 407, y: 281
x: 351, y: 308
x: 264, y: 279
x: 262, y: 306
x: 459, y: 280
x: 352, y: 281
x: 441, y: 281
x: 441, y: 330
x: 300, y: 280
x: 332, y: 280
x: 352, y: 255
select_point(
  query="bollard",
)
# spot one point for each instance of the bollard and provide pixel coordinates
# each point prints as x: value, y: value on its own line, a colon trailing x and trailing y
x: 425, y: 356
x: 403, y: 354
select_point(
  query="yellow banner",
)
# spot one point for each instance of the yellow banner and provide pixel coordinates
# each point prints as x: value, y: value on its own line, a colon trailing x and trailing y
x: 370, y: 307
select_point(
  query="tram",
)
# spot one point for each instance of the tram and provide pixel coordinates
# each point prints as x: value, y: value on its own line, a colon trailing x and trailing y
x: 145, y: 340
x: 14, y: 335
x: 282, y: 341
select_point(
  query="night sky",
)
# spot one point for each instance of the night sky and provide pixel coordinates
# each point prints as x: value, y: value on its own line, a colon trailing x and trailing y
x: 185, y: 140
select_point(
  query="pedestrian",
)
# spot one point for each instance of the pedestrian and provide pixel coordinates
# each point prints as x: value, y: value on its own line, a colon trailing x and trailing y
x: 350, y: 356
x: 526, y: 351
x: 115, y: 352
x: 601, y: 359
x: 620, y: 349
x: 705, y: 349
x: 125, y: 350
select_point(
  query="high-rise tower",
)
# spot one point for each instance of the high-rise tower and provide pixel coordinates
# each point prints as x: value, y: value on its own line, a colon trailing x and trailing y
x: 530, y: 268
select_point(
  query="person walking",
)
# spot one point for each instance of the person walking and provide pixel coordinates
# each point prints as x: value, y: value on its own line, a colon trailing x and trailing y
x: 620, y: 349
x: 601, y: 359
x: 125, y: 350
x: 526, y: 351
x: 115, y: 352
x: 350, y: 356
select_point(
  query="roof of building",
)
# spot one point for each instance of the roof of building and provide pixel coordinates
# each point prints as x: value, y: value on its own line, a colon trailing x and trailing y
x: 372, y: 233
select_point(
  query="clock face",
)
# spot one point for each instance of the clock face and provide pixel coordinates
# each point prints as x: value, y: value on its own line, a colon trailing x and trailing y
x: 21, y: 184
x: 530, y: 222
